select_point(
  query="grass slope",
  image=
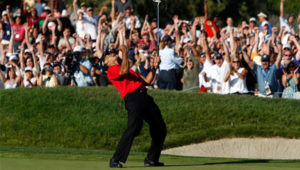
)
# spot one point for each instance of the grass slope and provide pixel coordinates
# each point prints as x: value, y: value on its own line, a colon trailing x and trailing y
x: 94, y: 118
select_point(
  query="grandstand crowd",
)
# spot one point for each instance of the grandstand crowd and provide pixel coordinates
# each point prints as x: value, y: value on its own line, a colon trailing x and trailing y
x: 54, y: 44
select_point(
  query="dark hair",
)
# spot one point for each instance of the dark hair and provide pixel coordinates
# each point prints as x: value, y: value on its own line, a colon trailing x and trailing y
x: 291, y: 66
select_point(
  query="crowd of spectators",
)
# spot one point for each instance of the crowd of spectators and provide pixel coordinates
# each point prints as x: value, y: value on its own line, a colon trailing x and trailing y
x: 53, y: 44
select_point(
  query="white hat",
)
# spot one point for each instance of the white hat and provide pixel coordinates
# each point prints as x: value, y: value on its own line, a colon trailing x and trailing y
x: 246, y: 26
x: 261, y: 14
x: 5, y: 42
x: 64, y: 13
x: 78, y: 49
x: 27, y: 51
x: 186, y: 39
x: 13, y: 57
x: 51, y: 24
x: 28, y: 69
x: 4, y: 12
x: 252, y: 19
x: 288, y: 46
x: 79, y: 11
x: 264, y: 23
x: 47, y: 8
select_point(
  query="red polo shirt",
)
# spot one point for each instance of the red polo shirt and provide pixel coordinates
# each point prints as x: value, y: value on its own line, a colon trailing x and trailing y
x: 126, y: 83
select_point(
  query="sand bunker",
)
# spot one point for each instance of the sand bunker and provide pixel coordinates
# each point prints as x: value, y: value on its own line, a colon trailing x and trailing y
x: 257, y: 148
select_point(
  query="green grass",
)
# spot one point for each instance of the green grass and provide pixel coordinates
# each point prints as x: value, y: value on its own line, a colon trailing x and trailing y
x: 94, y: 118
x: 74, y: 159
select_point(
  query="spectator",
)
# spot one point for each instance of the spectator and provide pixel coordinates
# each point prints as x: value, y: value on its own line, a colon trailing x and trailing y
x: 265, y: 74
x: 11, y: 80
x: 290, y: 80
x: 83, y: 68
x: 237, y: 77
x: 47, y: 78
x: 131, y: 19
x: 169, y: 63
x: 39, y: 7
x: 19, y: 29
x: 287, y: 23
x: 122, y: 5
x: 263, y: 19
x: 29, y: 80
x: 6, y: 27
x: 190, y: 75
x: 31, y: 16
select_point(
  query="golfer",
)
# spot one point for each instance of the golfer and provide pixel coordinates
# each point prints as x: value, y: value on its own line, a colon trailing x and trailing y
x: 140, y: 106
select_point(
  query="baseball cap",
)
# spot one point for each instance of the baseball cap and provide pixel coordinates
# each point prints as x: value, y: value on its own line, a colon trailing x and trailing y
x: 89, y: 9
x: 28, y: 69
x: 47, y: 8
x: 265, y: 58
x: 264, y: 23
x: 252, y: 19
x: 82, y: 4
x: 27, y: 51
x: 4, y: 13
x: 51, y: 24
x: 261, y: 14
x: 186, y: 39
x: 13, y: 57
x: 288, y: 46
x: 78, y: 49
x: 218, y: 55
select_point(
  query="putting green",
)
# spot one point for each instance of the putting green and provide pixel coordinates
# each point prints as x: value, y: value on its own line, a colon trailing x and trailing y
x: 72, y: 159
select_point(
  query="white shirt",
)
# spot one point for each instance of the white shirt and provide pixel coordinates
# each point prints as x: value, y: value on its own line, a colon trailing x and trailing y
x: 169, y: 59
x: 284, y: 22
x: 137, y: 23
x: 87, y: 25
x: 216, y: 76
x: 207, y: 64
x: 237, y: 85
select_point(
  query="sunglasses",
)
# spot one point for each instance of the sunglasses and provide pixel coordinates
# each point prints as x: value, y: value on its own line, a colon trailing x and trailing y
x: 288, y: 55
x: 235, y: 61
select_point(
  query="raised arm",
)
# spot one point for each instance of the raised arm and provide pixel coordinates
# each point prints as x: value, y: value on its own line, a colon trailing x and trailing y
x: 145, y: 25
x: 59, y: 26
x: 246, y: 57
x: 113, y: 10
x: 125, y: 64
x: 205, y: 10
x: 11, y: 41
x: 279, y: 56
x: 281, y: 8
x: 75, y: 7
x: 294, y: 40
x: 100, y: 44
x: 152, y: 73
x: 193, y: 29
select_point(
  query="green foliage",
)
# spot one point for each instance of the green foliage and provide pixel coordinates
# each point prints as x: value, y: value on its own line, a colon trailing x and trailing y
x: 95, y: 117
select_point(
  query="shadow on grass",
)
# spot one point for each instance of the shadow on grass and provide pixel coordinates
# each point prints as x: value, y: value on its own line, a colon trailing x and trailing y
x: 213, y: 163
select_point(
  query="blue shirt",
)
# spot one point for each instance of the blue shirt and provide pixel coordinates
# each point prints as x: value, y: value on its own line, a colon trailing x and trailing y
x: 263, y: 76
x: 169, y: 59
x: 143, y: 71
x: 270, y: 27
x: 7, y: 30
x: 83, y: 80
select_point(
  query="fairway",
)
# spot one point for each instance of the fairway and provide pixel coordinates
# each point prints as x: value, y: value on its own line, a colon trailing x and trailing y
x: 65, y: 159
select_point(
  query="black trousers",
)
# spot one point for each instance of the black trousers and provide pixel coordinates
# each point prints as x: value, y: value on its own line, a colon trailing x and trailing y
x: 140, y: 107
x: 167, y: 79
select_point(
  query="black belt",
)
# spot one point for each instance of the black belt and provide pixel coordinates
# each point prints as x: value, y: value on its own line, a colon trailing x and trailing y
x: 137, y: 91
